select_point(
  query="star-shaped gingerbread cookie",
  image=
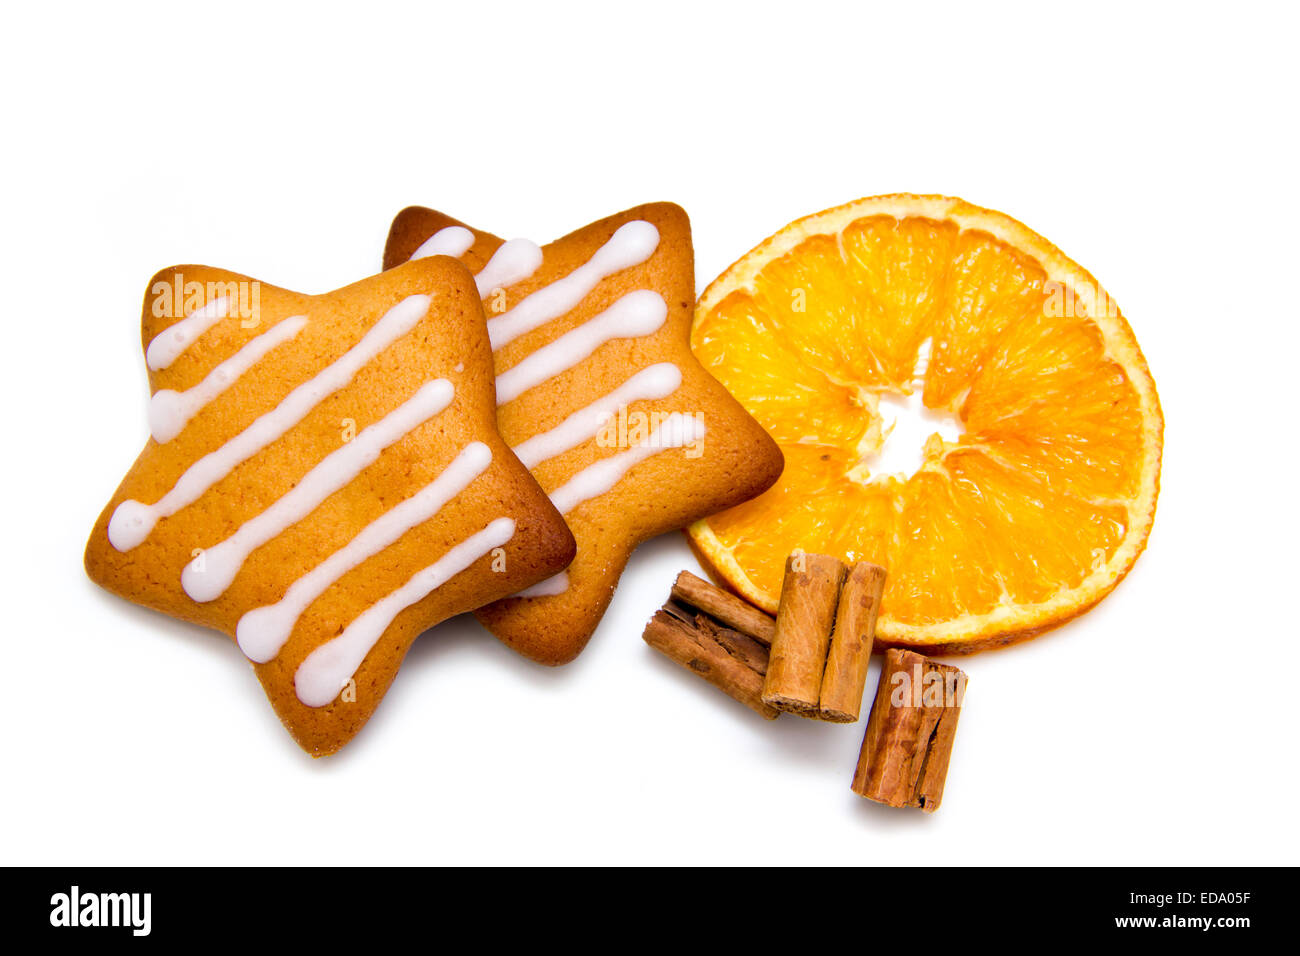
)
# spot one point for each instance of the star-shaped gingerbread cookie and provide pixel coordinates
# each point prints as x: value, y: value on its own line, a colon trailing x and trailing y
x: 324, y: 480
x: 599, y: 394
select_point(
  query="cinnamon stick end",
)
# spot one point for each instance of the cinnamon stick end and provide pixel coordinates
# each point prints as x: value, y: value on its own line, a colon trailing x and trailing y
x: 836, y: 716
x: 791, y: 705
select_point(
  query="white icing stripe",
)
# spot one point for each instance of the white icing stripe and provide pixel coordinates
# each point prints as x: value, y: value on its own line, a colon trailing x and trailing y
x: 263, y: 631
x: 167, y: 345
x: 633, y: 243
x: 327, y: 669
x: 555, y: 584
x: 656, y: 381
x: 133, y: 521
x: 170, y: 411
x: 637, y: 313
x: 208, y: 576
x: 676, y: 431
x: 513, y: 262
x: 453, y: 241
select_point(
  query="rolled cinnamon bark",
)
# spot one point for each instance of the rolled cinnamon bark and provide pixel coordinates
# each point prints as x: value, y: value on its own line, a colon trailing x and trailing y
x: 724, y: 607
x: 740, y: 646
x: 909, y: 736
x: 810, y: 593
x: 851, y: 640
x: 730, y: 661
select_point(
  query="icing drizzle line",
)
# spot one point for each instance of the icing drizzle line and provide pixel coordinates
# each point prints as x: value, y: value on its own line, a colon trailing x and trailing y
x: 263, y: 631
x: 514, y: 260
x: 328, y: 668
x: 637, y: 313
x: 655, y: 381
x: 555, y: 584
x: 208, y: 576
x: 632, y: 243
x: 167, y: 346
x: 453, y: 241
x: 676, y: 431
x: 133, y: 521
x: 170, y: 411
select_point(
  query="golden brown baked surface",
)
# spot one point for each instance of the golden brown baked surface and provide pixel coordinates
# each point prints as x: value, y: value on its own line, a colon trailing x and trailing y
x: 448, y: 342
x: 734, y: 460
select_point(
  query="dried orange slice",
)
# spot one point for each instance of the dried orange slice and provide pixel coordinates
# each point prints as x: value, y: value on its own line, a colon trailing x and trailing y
x: 1044, y: 497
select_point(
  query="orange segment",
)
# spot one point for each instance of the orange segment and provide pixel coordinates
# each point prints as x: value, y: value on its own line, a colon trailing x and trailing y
x: 1034, y: 514
x: 900, y: 267
x: 988, y: 289
x: 794, y: 400
x: 1050, y: 399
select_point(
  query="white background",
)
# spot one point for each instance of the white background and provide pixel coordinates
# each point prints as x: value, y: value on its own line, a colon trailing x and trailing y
x: 1155, y: 145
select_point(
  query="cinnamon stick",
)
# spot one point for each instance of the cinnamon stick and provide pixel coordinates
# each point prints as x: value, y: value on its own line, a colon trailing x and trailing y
x: 851, y: 640
x: 730, y: 661
x: 724, y: 607
x: 810, y: 593
x: 741, y: 646
x: 909, y: 736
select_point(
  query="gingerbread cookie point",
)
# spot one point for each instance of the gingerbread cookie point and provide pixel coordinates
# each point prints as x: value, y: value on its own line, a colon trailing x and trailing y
x: 324, y: 480
x: 599, y: 394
